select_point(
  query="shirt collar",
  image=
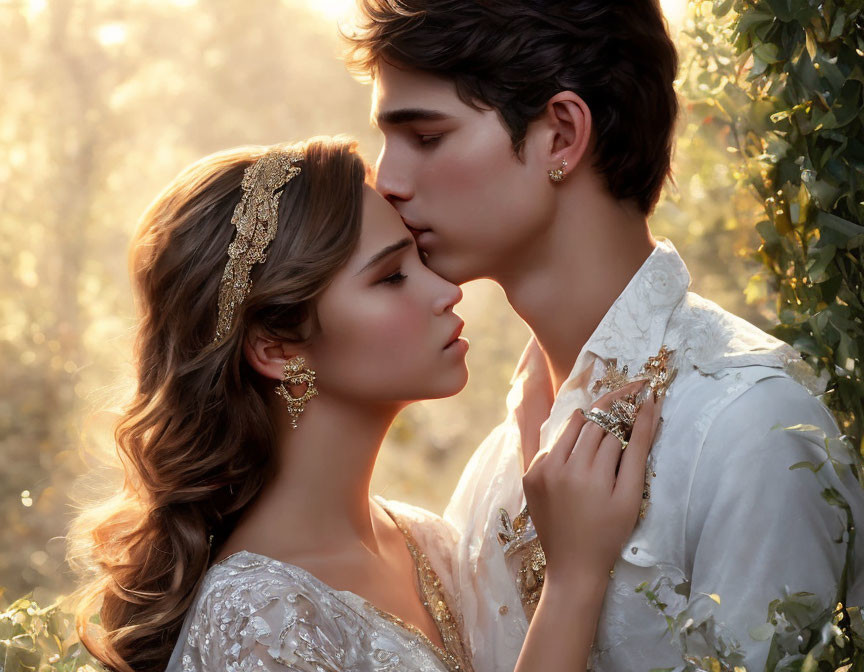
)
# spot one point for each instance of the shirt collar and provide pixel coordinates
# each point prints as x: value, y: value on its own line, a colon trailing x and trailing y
x: 635, y: 324
x: 634, y: 327
x: 632, y: 330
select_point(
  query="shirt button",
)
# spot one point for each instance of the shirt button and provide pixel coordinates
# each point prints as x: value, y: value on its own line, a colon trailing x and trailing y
x: 503, y: 609
x: 634, y: 550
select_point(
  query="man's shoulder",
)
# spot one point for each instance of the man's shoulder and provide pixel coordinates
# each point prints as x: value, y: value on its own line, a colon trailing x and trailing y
x: 718, y: 343
x: 713, y: 338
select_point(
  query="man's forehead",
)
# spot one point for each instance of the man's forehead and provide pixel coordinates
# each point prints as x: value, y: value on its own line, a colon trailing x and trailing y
x: 396, y: 89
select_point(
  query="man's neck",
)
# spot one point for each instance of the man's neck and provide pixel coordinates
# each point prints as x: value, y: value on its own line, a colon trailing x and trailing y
x: 575, y: 272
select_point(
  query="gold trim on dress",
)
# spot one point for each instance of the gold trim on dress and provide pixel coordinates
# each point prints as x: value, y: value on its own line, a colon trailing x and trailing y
x: 532, y: 560
x: 454, y: 655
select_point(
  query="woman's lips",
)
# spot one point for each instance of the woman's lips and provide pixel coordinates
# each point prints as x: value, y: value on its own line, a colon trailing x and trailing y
x: 455, y: 335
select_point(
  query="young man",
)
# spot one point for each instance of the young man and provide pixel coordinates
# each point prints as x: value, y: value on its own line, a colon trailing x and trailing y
x: 527, y: 141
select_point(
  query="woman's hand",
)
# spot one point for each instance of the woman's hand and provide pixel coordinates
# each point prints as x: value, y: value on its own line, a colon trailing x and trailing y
x: 584, y: 493
x: 584, y: 496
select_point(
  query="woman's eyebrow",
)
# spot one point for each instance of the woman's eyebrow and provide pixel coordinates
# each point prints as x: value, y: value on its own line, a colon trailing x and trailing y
x: 386, y: 252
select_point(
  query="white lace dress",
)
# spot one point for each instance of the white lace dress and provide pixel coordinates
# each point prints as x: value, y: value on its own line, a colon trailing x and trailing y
x: 253, y: 612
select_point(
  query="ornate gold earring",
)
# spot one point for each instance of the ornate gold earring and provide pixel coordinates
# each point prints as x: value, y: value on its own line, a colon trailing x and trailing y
x: 557, y: 174
x: 296, y: 373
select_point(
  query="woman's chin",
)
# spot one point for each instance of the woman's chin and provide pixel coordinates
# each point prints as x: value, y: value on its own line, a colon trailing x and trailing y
x: 453, y: 384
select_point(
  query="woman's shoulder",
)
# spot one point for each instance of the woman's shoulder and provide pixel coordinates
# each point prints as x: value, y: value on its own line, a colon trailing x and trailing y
x: 421, y: 523
x: 436, y: 538
x: 248, y: 581
x: 251, y: 607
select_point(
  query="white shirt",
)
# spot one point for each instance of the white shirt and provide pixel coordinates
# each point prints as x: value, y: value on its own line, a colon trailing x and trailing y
x: 726, y: 513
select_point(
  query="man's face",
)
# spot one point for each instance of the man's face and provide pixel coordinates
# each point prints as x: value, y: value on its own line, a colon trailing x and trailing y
x: 451, y: 172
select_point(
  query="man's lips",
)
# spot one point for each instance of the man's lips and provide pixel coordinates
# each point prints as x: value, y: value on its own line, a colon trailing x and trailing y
x: 415, y: 229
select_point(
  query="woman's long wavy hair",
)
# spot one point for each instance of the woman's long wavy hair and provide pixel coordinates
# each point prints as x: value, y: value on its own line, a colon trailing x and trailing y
x: 196, y: 442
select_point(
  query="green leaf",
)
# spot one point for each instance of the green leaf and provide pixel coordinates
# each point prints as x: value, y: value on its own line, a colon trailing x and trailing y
x: 834, y: 498
x: 750, y: 20
x: 807, y: 465
x: 762, y: 633
x: 782, y: 8
x: 839, y: 24
x: 800, y: 428
x: 842, y: 226
x: 767, y: 52
x: 721, y: 7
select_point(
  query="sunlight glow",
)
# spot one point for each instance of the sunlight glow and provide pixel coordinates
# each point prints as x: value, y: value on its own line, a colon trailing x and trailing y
x: 334, y: 9
x: 111, y: 33
x: 674, y: 10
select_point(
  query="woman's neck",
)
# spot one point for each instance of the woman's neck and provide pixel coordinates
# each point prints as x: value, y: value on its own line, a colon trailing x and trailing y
x: 317, y: 500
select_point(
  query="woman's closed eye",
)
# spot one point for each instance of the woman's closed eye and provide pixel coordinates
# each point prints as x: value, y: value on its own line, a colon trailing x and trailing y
x: 394, y: 278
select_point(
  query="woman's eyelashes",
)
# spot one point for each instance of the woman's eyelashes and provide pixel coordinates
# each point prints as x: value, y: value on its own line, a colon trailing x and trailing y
x: 396, y: 278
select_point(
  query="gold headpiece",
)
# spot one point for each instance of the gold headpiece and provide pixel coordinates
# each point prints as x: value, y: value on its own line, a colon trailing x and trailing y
x: 255, y: 219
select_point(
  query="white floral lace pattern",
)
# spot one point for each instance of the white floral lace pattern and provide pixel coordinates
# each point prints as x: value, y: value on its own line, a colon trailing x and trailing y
x: 253, y: 612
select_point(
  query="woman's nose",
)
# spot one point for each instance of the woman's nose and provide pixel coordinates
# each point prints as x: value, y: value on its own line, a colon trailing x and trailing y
x: 449, y: 295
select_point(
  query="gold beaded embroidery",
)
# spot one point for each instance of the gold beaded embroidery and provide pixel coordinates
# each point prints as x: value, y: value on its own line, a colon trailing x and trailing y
x: 613, y: 378
x: 453, y: 655
x: 532, y: 560
x: 656, y: 371
x: 532, y: 565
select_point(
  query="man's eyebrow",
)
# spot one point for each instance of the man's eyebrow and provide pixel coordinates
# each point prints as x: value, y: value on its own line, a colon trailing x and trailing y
x: 407, y: 115
x: 386, y: 252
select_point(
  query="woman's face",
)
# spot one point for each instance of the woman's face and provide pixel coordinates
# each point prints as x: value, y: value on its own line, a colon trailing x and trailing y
x: 388, y: 332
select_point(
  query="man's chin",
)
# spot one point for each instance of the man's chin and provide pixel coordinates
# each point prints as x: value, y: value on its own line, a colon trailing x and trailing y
x: 449, y: 270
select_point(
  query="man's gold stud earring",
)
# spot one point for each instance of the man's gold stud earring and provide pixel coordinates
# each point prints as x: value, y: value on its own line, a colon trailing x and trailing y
x: 557, y: 174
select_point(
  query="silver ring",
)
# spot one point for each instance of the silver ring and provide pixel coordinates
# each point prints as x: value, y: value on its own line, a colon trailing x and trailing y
x: 608, y: 422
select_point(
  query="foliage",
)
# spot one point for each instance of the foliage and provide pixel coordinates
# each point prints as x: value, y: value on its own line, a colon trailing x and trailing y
x: 703, y: 643
x: 41, y: 639
x: 805, y: 635
x: 105, y: 102
x: 787, y: 77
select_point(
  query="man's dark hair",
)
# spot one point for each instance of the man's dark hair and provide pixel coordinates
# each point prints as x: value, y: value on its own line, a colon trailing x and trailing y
x: 514, y: 55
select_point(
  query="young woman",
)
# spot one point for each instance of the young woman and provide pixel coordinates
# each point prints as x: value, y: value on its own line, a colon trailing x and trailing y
x: 286, y: 318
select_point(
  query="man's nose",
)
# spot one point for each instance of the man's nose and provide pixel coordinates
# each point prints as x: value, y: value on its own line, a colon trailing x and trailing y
x: 392, y: 179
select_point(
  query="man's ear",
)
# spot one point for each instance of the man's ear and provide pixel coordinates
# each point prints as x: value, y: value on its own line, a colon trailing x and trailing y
x: 568, y: 122
x: 267, y: 355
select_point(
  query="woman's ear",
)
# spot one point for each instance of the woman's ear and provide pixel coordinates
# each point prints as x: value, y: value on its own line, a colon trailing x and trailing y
x: 267, y: 355
x: 568, y: 121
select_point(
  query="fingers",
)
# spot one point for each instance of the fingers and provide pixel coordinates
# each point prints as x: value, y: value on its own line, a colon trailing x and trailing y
x: 605, y: 401
x: 592, y: 434
x: 606, y: 461
x: 631, y: 472
x: 580, y: 439
x: 611, y: 452
x: 560, y: 451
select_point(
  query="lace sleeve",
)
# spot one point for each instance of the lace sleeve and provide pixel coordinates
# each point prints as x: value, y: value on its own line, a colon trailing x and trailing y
x: 262, y: 618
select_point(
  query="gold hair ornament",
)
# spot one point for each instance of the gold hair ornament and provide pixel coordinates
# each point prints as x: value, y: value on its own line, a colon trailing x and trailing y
x: 255, y: 219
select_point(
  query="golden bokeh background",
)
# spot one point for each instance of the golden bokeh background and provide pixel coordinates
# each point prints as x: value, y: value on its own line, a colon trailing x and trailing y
x: 103, y: 102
